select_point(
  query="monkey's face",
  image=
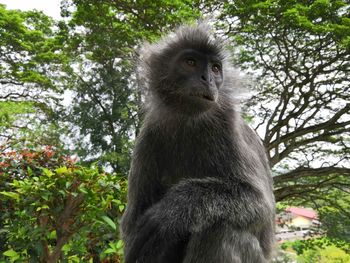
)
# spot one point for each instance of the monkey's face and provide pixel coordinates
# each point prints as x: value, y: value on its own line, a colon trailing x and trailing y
x: 194, y: 79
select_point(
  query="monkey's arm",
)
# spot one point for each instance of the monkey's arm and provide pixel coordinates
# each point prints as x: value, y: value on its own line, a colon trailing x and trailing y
x: 143, y: 185
x: 193, y: 205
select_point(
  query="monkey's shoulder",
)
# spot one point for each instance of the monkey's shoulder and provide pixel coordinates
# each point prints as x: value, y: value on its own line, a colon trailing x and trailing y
x: 220, y: 134
x: 203, y: 141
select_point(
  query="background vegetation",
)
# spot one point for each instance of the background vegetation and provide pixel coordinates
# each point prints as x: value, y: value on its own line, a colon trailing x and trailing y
x: 63, y: 166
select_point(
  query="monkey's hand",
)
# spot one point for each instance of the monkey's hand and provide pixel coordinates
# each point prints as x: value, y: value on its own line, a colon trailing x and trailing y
x: 156, y: 231
x: 190, y: 207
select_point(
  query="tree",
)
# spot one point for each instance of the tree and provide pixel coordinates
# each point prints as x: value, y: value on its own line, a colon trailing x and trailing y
x: 103, y: 37
x: 31, y: 62
x: 299, y: 53
x: 335, y: 215
x: 29, y: 53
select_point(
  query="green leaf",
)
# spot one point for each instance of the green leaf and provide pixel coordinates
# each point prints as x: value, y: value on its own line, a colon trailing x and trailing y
x: 61, y: 170
x: 121, y: 208
x: 11, y: 253
x: 68, y: 184
x: 30, y: 171
x: 110, y: 251
x: 120, y: 244
x: 52, y: 235
x: 47, y: 172
x: 11, y: 194
x: 43, y: 207
x: 109, y: 222
x: 82, y: 188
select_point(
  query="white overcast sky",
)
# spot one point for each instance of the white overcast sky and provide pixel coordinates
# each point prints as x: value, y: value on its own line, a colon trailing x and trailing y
x: 49, y: 7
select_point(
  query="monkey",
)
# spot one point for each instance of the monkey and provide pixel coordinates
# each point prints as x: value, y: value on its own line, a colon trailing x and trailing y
x: 199, y: 186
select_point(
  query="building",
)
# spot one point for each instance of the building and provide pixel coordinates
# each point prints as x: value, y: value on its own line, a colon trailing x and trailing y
x: 301, y: 218
x: 296, y: 223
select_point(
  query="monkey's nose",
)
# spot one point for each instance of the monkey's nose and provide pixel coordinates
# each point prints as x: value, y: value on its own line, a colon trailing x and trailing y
x: 206, y: 78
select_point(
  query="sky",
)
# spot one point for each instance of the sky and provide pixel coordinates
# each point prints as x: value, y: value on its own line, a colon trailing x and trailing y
x: 49, y: 7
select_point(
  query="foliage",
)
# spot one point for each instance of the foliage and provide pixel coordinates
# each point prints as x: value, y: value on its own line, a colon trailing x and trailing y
x: 300, y: 246
x: 304, y: 86
x: 23, y: 124
x: 31, y: 65
x: 52, y: 208
x: 29, y: 51
x: 9, y: 110
x: 335, y: 215
x: 319, y: 250
x: 329, y: 254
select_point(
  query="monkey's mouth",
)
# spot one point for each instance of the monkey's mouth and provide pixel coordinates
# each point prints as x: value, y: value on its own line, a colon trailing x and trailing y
x: 207, y: 97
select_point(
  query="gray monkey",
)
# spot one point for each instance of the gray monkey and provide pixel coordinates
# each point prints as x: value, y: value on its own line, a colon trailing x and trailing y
x: 200, y: 189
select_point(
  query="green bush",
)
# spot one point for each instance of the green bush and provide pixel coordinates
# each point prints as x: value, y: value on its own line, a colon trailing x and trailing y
x: 330, y: 254
x: 299, y: 246
x: 53, y: 209
x: 319, y: 250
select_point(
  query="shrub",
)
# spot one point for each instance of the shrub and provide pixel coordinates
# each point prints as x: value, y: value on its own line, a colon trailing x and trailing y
x: 53, y: 209
x: 330, y: 254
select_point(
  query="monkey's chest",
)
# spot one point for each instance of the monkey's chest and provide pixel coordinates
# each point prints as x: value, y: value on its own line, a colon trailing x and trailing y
x: 192, y: 157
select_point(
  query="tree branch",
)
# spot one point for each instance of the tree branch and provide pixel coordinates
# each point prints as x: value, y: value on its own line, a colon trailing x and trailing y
x: 303, y: 172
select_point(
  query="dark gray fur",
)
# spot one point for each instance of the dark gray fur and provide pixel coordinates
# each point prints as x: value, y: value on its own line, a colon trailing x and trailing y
x: 200, y: 189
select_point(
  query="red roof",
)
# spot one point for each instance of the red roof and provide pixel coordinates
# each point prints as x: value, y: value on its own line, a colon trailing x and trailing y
x: 305, y: 212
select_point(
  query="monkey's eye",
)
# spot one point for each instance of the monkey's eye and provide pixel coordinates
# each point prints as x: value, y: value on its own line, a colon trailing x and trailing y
x: 190, y: 62
x: 216, y: 68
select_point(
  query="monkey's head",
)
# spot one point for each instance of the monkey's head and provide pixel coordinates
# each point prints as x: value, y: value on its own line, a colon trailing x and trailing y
x: 186, y: 69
